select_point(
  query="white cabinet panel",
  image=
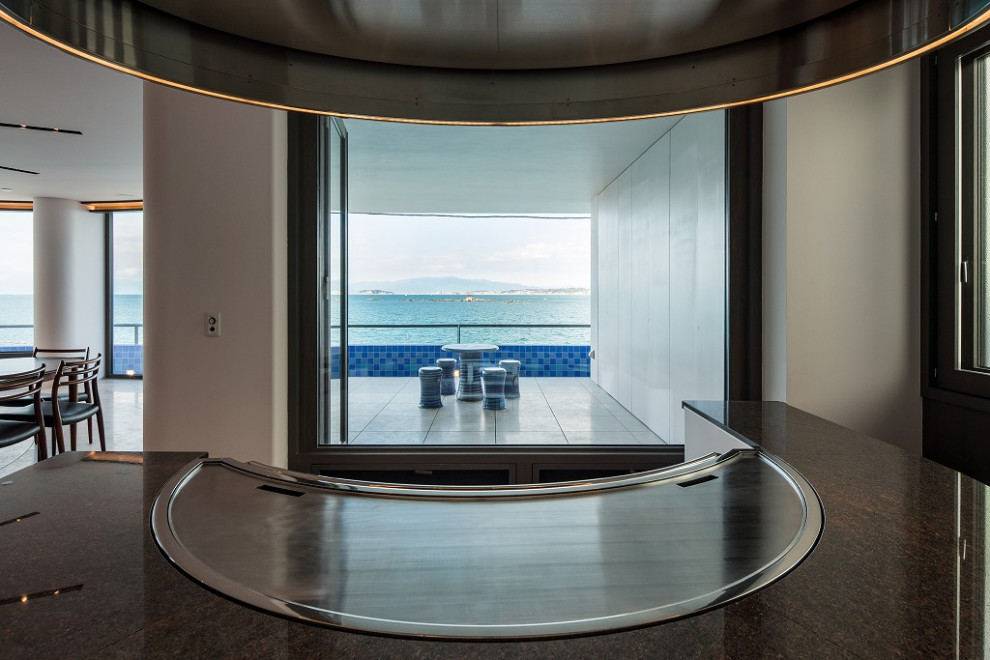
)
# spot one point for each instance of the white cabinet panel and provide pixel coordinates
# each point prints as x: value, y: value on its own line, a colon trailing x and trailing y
x: 639, y: 290
x: 658, y: 410
x: 683, y: 267
x: 623, y: 223
x: 660, y: 291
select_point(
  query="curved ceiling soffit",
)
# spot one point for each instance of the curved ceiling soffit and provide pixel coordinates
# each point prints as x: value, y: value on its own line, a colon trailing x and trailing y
x: 138, y: 39
x: 499, y: 34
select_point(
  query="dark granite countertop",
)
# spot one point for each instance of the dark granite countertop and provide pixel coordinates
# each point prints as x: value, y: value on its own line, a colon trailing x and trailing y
x: 891, y: 577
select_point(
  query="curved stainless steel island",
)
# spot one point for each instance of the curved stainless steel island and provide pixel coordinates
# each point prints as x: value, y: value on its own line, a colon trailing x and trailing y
x: 900, y: 570
x: 489, y: 562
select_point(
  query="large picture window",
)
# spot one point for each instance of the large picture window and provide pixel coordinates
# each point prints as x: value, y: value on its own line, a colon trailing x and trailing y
x: 126, y: 301
x: 16, y: 282
x: 975, y: 211
x: 961, y: 214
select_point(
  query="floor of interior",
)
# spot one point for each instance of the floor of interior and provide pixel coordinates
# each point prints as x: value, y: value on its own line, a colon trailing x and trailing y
x: 385, y: 411
x: 550, y: 411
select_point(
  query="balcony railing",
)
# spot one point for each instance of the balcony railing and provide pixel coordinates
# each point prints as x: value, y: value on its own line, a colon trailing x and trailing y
x: 136, y: 328
x: 459, y: 327
x: 404, y: 358
x: 393, y: 358
x: 128, y: 348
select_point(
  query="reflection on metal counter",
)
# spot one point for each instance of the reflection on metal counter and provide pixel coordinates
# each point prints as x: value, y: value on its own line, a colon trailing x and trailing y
x: 497, y: 562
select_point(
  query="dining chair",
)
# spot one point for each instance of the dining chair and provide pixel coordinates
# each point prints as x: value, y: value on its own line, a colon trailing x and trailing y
x: 24, y: 387
x: 76, y: 377
x: 68, y: 354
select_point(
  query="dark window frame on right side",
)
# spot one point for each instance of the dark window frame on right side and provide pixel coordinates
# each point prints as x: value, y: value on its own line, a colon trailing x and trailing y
x: 951, y: 355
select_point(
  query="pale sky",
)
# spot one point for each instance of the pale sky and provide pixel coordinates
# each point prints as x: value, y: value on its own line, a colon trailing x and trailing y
x: 539, y: 251
x: 17, y: 252
x: 128, y: 257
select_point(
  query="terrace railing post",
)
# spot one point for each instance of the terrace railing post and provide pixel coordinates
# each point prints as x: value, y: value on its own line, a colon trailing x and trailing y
x: 458, y: 333
x: 135, y: 334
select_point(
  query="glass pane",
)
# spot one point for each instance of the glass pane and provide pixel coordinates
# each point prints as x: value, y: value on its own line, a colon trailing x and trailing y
x: 16, y: 281
x: 981, y: 209
x: 127, y: 287
x: 332, y: 393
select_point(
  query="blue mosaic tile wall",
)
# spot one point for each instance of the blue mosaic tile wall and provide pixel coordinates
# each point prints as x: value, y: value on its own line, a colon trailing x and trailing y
x: 125, y: 357
x: 405, y: 360
x: 128, y: 357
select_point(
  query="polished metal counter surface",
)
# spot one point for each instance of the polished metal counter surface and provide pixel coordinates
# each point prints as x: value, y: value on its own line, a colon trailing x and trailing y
x: 489, y: 562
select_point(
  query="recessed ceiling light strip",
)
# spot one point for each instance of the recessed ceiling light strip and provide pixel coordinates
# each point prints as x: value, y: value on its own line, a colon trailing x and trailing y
x: 14, y: 169
x: 46, y: 129
x: 114, y: 206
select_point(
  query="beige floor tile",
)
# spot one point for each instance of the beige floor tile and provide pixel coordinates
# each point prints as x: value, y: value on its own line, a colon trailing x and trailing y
x: 467, y: 438
x: 530, y: 438
x: 390, y: 438
x: 601, y: 438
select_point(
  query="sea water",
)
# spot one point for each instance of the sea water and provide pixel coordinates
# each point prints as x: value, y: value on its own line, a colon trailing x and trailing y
x: 392, y: 310
x: 450, y: 310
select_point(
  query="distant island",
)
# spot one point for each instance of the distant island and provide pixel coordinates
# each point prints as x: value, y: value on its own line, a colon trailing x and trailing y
x: 567, y: 291
x: 458, y: 286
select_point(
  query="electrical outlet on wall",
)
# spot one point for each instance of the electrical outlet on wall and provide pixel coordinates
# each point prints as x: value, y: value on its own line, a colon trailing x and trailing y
x: 213, y: 324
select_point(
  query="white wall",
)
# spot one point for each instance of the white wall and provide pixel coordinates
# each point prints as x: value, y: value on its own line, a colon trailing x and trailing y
x: 843, y: 328
x: 215, y: 200
x: 69, y: 291
x: 660, y: 264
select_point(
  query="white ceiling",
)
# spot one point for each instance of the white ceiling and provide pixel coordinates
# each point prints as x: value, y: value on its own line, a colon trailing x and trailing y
x: 43, y: 86
x: 393, y: 167
x: 421, y: 168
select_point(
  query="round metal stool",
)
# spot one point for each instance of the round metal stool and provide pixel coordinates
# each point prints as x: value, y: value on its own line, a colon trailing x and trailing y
x: 429, y: 387
x: 493, y: 388
x: 448, y: 383
x: 511, y: 377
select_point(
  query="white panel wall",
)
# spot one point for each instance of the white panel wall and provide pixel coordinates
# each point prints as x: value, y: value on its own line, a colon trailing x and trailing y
x: 638, y: 327
x: 842, y: 192
x: 607, y: 294
x: 69, y: 247
x: 627, y: 360
x: 594, y: 284
x: 658, y: 409
x: 661, y: 276
x: 215, y: 196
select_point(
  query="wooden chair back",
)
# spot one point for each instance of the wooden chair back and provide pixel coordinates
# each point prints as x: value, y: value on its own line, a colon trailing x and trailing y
x: 24, y: 385
x: 62, y: 353
x: 78, y: 374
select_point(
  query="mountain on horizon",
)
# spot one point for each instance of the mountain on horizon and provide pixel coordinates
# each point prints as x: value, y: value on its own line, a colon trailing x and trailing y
x: 428, y: 285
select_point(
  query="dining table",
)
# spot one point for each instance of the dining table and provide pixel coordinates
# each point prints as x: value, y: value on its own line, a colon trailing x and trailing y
x: 16, y: 365
x: 469, y: 384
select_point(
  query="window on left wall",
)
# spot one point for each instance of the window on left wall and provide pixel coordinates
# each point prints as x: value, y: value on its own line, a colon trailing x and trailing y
x: 16, y: 281
x: 126, y: 274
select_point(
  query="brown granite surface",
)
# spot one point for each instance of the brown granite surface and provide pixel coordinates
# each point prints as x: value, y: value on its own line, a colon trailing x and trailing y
x: 891, y: 578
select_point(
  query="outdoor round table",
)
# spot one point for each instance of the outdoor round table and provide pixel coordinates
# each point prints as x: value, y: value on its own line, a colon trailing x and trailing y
x: 469, y: 385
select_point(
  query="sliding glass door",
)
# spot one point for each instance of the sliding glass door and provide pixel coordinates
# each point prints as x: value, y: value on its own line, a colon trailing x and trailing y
x: 332, y: 232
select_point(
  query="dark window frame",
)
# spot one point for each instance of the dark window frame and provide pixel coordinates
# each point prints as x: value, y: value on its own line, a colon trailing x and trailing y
x: 743, y: 364
x: 944, y: 375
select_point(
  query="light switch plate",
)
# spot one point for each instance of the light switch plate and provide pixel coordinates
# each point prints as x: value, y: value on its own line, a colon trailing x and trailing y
x: 213, y: 324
